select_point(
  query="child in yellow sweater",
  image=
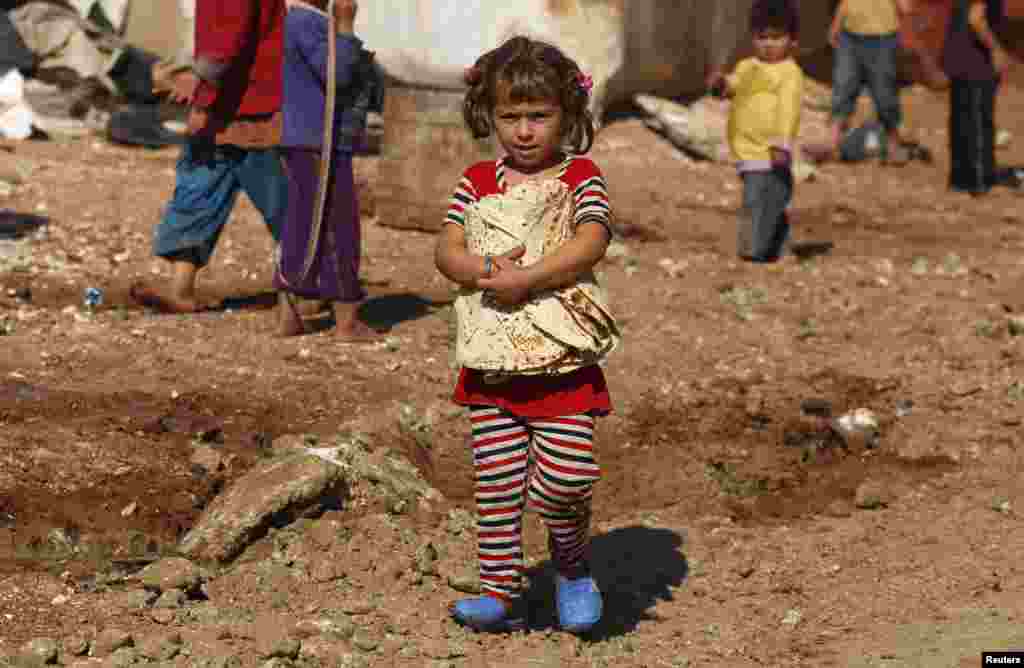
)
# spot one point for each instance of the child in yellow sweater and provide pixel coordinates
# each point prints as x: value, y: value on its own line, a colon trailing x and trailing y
x: 764, y: 117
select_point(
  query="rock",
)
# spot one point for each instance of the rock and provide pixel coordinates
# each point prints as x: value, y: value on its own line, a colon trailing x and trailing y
x: 277, y: 491
x: 697, y: 129
x: 467, y: 583
x: 442, y: 649
x: 282, y: 648
x: 109, y: 641
x: 1003, y: 138
x: 396, y: 480
x: 172, y: 599
x: 792, y: 618
x: 353, y: 660
x: 426, y: 559
x: 361, y: 607
x: 208, y: 458
x: 162, y: 616
x: 816, y: 407
x: 172, y: 573
x: 1015, y: 324
x: 123, y: 657
x: 858, y: 429
x: 160, y: 647
x: 75, y: 645
x: 40, y: 650
x: 340, y: 628
x: 136, y: 599
x: 869, y: 496
x: 364, y: 641
x: 459, y: 521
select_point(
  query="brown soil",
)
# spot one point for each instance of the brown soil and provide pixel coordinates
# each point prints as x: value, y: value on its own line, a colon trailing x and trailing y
x: 722, y: 506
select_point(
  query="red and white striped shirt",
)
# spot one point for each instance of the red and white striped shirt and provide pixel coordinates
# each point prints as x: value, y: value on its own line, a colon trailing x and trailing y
x: 581, y: 175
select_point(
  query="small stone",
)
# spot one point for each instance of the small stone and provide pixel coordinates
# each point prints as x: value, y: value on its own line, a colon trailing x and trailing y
x: 816, y: 407
x: 41, y: 650
x: 162, y: 616
x: 1002, y: 505
x: 364, y: 641
x: 838, y: 509
x: 109, y: 641
x: 792, y: 618
x: 426, y: 559
x: 208, y: 458
x: 75, y: 645
x: 869, y: 496
x: 172, y: 573
x: 123, y: 657
x: 466, y: 583
x: 161, y: 647
x: 285, y: 648
x: 353, y: 660
x: 359, y: 608
x: 171, y: 599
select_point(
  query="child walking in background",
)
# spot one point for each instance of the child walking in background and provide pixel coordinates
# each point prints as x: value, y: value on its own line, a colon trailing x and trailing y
x: 320, y: 259
x: 865, y: 36
x: 764, y: 118
x: 975, y: 60
x: 234, y: 127
x: 521, y: 238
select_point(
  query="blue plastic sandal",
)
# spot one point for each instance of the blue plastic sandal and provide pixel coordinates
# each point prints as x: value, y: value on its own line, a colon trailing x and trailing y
x: 486, y: 613
x: 579, y: 603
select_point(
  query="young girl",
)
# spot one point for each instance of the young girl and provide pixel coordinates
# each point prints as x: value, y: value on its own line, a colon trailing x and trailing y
x: 321, y: 260
x: 764, y: 118
x: 531, y: 323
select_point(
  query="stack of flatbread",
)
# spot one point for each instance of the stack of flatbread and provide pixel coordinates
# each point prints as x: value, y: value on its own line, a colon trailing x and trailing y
x: 554, y: 331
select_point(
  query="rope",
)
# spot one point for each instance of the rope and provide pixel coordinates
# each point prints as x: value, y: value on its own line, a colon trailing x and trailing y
x: 327, y: 149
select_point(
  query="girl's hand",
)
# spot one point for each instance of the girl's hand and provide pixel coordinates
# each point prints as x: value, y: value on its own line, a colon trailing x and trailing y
x: 509, y: 286
x: 345, y: 15
x: 1000, y: 60
x: 508, y: 259
x: 780, y: 157
x: 184, y: 89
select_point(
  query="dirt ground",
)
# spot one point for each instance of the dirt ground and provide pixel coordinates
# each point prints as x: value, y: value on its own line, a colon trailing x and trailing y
x: 727, y: 526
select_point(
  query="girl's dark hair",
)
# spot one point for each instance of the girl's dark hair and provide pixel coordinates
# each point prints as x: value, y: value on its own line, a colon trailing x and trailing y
x: 775, y: 15
x: 527, y: 70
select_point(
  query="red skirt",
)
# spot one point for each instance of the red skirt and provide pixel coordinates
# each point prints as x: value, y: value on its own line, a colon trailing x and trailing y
x: 574, y: 393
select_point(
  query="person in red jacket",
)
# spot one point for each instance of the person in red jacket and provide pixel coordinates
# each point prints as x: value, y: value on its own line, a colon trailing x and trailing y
x: 234, y: 128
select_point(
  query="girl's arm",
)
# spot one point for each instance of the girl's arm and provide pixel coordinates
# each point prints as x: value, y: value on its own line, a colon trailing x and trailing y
x: 459, y: 265
x: 577, y: 256
x: 837, y: 24
x: 979, y: 23
x: 313, y: 45
x: 788, y: 117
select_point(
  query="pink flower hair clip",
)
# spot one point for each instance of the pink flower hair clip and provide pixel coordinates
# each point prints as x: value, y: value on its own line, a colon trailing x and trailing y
x: 585, y: 82
x: 472, y: 75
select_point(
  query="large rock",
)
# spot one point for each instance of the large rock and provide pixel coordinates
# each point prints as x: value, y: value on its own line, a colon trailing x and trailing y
x: 274, y: 494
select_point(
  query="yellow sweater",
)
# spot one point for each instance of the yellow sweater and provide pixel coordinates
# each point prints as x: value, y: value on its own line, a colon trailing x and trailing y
x: 870, y: 17
x: 765, y: 110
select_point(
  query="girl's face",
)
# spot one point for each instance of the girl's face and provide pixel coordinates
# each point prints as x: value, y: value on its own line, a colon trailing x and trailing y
x: 772, y: 45
x: 530, y: 132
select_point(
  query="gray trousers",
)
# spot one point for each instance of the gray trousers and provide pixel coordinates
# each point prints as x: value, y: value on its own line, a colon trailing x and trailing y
x: 763, y: 227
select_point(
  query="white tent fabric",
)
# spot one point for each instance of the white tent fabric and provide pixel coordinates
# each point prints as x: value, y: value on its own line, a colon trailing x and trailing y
x: 15, y: 115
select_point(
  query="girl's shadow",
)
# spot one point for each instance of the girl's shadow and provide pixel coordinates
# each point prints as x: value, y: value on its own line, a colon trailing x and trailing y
x: 634, y: 566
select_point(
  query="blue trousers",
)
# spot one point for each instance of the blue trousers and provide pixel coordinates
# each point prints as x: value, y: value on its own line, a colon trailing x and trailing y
x: 208, y: 180
x: 867, y: 61
x: 763, y: 224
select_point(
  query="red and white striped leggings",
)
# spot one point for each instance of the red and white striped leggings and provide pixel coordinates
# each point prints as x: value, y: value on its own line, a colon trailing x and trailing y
x: 547, y: 463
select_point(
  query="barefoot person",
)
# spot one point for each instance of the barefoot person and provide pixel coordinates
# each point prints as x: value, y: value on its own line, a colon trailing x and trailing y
x: 234, y: 126
x: 319, y: 259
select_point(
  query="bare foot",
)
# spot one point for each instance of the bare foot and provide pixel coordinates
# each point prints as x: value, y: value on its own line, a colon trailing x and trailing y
x: 290, y: 318
x: 357, y: 331
x: 164, y: 302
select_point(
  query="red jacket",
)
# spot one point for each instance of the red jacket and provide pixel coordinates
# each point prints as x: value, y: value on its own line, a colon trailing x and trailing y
x: 238, y: 55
